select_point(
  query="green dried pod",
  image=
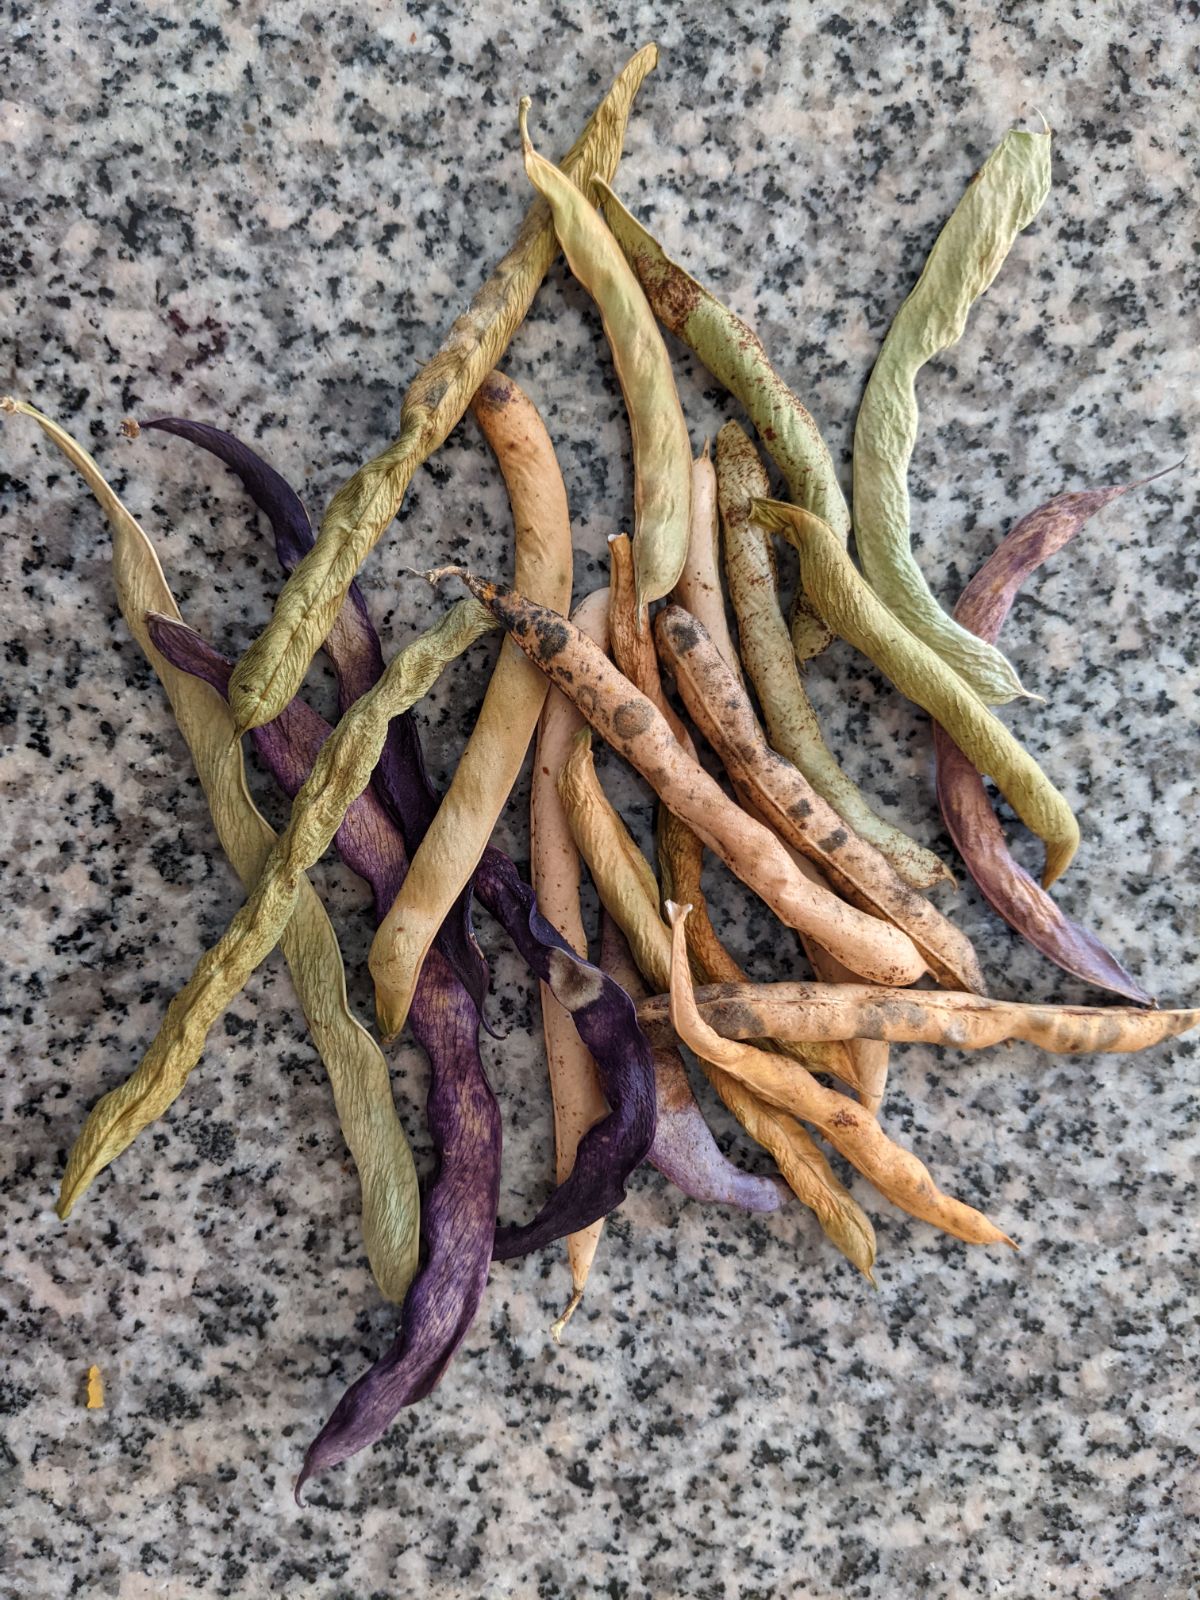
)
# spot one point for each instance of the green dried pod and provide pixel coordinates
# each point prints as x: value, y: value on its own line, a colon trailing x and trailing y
x: 736, y: 357
x: 852, y: 609
x: 662, y: 453
x: 358, y: 1073
x: 1002, y: 198
x: 273, y: 668
x: 341, y: 773
x: 768, y: 658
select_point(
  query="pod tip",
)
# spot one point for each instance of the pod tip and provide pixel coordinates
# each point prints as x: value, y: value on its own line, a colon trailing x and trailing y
x: 7, y: 403
x: 130, y: 427
x: 556, y: 1327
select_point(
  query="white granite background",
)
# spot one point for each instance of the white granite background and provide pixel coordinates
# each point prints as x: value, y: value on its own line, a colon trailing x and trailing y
x: 266, y: 214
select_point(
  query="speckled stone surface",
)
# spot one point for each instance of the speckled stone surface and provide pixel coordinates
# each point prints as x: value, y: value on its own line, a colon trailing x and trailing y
x: 266, y: 215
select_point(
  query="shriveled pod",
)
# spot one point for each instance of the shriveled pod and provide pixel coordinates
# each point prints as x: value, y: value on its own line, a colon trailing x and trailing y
x: 1001, y: 199
x: 272, y: 670
x: 341, y: 773
x: 770, y: 662
x: 860, y: 617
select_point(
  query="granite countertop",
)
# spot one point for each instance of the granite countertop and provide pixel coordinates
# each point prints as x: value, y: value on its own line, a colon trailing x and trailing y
x: 266, y: 215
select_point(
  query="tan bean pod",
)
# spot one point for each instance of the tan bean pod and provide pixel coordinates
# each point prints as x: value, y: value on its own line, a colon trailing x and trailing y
x: 634, y: 727
x: 894, y: 1171
x: 721, y: 709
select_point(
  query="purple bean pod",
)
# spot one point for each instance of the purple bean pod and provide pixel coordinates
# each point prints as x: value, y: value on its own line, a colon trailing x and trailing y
x: 356, y: 655
x: 684, y: 1150
x: 458, y: 1213
x: 966, y: 809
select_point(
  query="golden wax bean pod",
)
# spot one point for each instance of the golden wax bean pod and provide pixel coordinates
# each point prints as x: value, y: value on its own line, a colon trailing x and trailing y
x: 493, y: 755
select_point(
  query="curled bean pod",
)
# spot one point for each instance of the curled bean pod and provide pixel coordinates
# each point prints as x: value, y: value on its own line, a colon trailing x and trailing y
x: 271, y: 671
x: 967, y: 811
x: 341, y: 773
x: 662, y: 455
x: 735, y: 356
x: 770, y: 662
x: 358, y: 1073
x: 721, y: 709
x: 625, y: 883
x: 894, y: 1171
x: 630, y: 722
x: 1000, y: 201
x: 859, y: 617
x: 926, y: 1016
x: 491, y: 761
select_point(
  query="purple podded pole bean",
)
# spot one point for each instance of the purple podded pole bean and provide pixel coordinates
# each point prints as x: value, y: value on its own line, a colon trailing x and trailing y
x: 966, y: 809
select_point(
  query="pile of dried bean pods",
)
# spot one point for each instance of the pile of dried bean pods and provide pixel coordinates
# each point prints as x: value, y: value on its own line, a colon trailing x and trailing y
x: 792, y: 1059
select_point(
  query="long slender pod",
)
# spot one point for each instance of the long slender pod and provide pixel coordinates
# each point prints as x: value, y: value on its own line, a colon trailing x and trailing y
x: 491, y: 761
x: 857, y: 614
x: 1000, y: 201
x: 271, y: 671
x: 358, y: 1074
x: 770, y: 662
x: 965, y: 806
x: 635, y: 728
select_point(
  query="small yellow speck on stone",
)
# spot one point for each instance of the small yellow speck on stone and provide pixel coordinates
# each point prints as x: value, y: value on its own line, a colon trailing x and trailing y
x: 95, y: 1390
